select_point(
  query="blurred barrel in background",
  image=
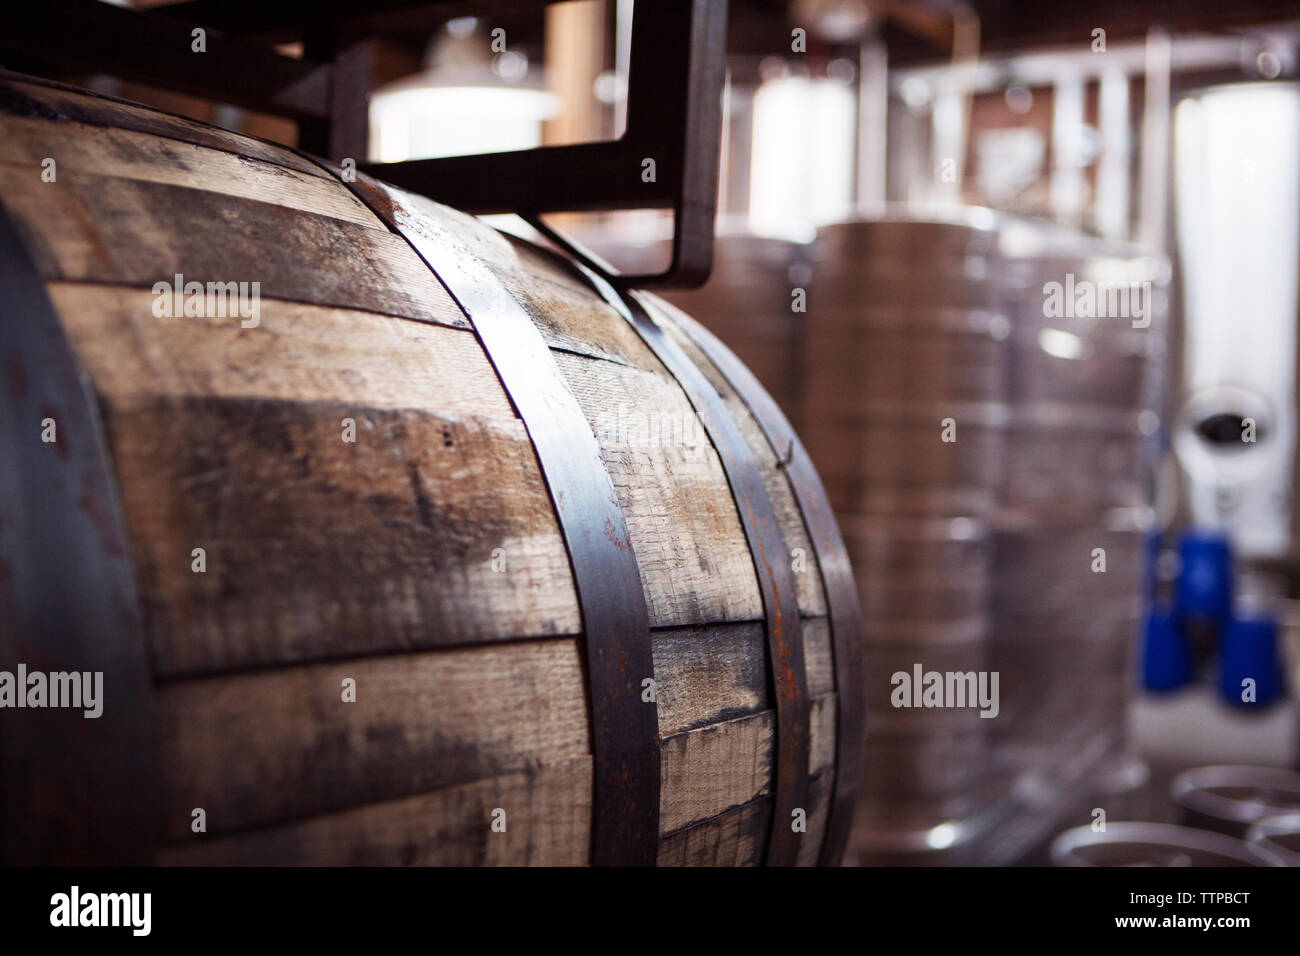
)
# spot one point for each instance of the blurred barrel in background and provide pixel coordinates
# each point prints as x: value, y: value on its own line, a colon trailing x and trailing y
x: 905, y: 418
x: 756, y: 302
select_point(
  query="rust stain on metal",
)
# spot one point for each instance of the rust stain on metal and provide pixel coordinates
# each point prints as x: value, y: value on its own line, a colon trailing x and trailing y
x: 613, y: 537
x: 383, y: 206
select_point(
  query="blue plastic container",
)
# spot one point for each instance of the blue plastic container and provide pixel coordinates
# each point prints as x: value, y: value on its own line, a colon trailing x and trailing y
x: 1166, y: 653
x: 1250, y: 651
x: 1204, y: 587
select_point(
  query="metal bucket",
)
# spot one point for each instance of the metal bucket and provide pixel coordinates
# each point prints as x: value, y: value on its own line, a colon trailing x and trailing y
x: 1279, y: 836
x: 1154, y: 844
x: 1230, y: 798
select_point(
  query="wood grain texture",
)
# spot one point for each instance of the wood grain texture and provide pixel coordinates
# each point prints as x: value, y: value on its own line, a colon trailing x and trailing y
x: 263, y: 748
x: 140, y: 211
x: 80, y: 150
x: 819, y: 664
x: 712, y: 769
x: 135, y: 232
x: 434, y: 527
x: 24, y: 97
x: 706, y: 675
x: 803, y: 556
x: 391, y: 543
x: 297, y: 352
x: 734, y: 838
x: 713, y: 673
x: 616, y: 639
x: 547, y: 823
x: 819, y: 796
x: 267, y: 747
x: 294, y: 379
x: 821, y: 720
x: 682, y: 521
x: 569, y: 316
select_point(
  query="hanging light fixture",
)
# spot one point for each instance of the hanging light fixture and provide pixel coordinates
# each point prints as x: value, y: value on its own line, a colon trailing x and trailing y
x: 467, y: 100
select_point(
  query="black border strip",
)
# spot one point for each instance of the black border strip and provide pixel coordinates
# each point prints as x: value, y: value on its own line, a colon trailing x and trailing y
x: 76, y: 788
x: 771, y: 565
x: 616, y: 628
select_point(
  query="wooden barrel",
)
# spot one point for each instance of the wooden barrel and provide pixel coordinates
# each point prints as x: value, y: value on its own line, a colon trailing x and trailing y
x: 422, y: 546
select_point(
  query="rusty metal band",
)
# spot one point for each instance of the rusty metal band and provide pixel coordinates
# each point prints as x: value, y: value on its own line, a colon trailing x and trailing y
x: 76, y: 789
x: 616, y: 623
x: 771, y: 558
x: 841, y: 590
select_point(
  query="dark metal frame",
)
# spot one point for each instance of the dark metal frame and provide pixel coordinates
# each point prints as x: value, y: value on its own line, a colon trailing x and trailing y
x: 674, y: 117
x: 152, y: 47
x: 674, y: 114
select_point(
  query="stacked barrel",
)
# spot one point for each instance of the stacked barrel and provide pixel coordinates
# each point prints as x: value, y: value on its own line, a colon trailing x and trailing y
x: 904, y: 418
x: 756, y: 301
x: 1071, y: 519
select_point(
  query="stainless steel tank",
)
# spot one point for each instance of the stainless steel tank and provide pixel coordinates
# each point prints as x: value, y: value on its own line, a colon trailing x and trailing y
x: 1236, y: 152
x: 1072, y: 516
